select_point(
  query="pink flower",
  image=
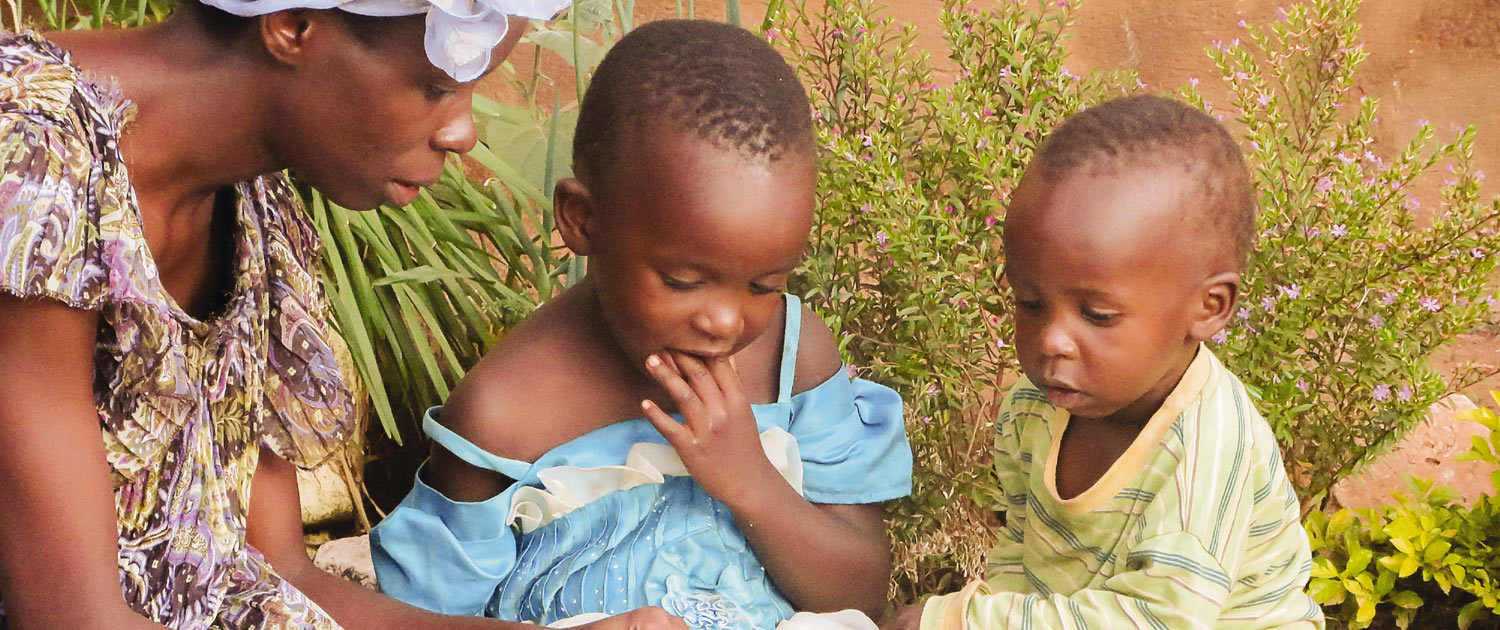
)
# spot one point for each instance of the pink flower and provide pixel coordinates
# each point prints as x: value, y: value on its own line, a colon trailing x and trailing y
x: 1376, y: 321
x: 1301, y: 385
x: 1243, y: 313
x: 1338, y: 230
x: 990, y: 221
x: 1381, y: 391
x: 1193, y: 81
x: 1263, y: 100
x: 1405, y: 393
x: 1431, y: 304
x: 1292, y: 291
x: 1388, y: 297
x: 1324, y: 185
x: 1221, y: 337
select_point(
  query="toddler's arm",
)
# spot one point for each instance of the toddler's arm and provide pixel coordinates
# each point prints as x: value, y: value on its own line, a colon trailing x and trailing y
x: 822, y: 557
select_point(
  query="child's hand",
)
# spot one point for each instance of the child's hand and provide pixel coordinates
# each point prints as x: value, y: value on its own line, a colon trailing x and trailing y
x: 906, y: 618
x: 718, y: 440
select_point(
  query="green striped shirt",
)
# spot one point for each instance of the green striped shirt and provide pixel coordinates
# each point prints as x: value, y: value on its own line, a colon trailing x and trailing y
x: 1195, y: 526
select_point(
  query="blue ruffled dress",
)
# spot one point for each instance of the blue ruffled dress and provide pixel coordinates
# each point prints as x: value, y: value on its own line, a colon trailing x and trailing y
x: 611, y: 521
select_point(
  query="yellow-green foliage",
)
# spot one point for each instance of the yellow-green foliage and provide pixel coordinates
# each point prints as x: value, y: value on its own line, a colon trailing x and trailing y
x: 1427, y: 552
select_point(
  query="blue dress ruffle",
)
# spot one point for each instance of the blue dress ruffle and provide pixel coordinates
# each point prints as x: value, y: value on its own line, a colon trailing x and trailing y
x: 662, y: 542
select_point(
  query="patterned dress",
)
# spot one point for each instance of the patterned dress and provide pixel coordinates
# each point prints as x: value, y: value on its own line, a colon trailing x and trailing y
x: 184, y: 405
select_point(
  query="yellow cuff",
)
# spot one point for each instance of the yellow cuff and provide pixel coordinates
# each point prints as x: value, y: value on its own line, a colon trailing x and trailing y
x: 951, y: 612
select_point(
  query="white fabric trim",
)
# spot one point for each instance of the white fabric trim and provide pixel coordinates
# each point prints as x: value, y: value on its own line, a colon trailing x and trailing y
x: 460, y: 33
x: 567, y: 488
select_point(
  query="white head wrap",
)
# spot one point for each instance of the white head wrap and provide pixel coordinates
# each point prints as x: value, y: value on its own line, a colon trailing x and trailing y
x: 460, y: 33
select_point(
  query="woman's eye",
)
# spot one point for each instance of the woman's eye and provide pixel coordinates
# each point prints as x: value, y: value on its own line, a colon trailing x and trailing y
x: 436, y: 92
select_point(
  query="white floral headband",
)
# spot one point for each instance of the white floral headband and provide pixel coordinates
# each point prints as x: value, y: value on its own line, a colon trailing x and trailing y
x: 460, y: 33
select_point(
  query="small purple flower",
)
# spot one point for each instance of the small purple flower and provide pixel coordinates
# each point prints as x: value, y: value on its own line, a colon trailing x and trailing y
x: 1263, y: 100
x: 866, y: 140
x: 851, y: 371
x: 1338, y: 230
x: 866, y: 208
x: 1476, y: 254
x: 1388, y: 297
x: 1292, y: 291
x: 1268, y: 303
x: 1376, y: 321
x: 881, y: 239
x: 1310, y: 231
x: 990, y: 221
x: 1301, y: 385
x: 1345, y: 159
x: 988, y: 111
x: 1431, y: 304
x: 1324, y: 185
x: 1242, y: 24
x: 1193, y: 81
x: 1243, y: 313
x: 1381, y: 391
x: 1221, y: 336
x: 1405, y: 393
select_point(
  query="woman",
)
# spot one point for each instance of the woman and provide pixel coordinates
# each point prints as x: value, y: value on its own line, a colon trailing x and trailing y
x: 158, y: 288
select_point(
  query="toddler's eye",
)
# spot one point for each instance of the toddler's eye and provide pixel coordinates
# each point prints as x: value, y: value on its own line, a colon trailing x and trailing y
x: 678, y: 283
x: 1101, y: 318
x: 1030, y: 306
x: 761, y: 289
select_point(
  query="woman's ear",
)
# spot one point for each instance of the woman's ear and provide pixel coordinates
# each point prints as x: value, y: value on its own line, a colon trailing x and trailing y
x: 1218, y: 297
x: 575, y: 211
x: 284, y: 34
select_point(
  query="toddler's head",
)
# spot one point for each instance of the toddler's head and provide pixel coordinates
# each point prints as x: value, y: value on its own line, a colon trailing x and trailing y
x: 694, y: 192
x: 1124, y: 243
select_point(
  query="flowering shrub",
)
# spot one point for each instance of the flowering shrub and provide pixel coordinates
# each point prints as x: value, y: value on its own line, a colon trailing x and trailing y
x: 906, y: 262
x: 1348, y: 295
x: 1354, y: 284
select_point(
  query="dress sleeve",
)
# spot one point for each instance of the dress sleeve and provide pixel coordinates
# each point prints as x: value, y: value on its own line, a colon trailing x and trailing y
x: 49, y: 231
x: 442, y: 555
x: 311, y: 385
x: 852, y: 441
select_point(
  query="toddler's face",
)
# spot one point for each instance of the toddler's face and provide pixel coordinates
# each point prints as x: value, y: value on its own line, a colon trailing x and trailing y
x: 695, y: 245
x: 1104, y: 294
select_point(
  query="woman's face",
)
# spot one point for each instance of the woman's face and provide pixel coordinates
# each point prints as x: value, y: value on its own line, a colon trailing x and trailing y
x: 369, y: 123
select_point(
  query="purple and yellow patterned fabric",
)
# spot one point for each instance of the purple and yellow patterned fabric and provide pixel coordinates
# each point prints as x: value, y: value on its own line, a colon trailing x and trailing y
x: 184, y: 405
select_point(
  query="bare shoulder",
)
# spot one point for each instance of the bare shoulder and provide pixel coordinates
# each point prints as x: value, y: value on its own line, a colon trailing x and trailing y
x: 817, y: 353
x: 498, y: 402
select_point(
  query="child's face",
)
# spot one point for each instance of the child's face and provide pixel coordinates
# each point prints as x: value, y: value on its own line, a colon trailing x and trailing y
x: 1107, y: 287
x: 694, y: 245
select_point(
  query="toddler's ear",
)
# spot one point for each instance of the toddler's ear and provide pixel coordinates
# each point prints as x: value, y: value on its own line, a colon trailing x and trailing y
x: 1217, y: 299
x: 573, y: 208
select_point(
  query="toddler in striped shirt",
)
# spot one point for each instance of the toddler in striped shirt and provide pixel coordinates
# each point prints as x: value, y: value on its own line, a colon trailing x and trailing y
x: 1144, y: 489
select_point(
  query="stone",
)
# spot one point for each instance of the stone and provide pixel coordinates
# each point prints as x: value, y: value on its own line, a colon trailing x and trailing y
x: 348, y: 558
x: 1430, y: 450
x: 325, y: 495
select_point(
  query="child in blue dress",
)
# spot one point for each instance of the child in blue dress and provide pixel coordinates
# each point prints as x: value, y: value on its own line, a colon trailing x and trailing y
x: 673, y: 430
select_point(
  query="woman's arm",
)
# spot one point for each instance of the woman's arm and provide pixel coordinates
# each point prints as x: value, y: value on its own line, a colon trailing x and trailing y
x: 275, y: 528
x: 59, y: 543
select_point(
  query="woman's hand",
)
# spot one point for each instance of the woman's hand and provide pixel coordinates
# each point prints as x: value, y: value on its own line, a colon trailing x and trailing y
x: 717, y: 440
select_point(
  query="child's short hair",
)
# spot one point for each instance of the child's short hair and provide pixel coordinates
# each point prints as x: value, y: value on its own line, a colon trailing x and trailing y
x: 713, y: 79
x: 1150, y: 129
